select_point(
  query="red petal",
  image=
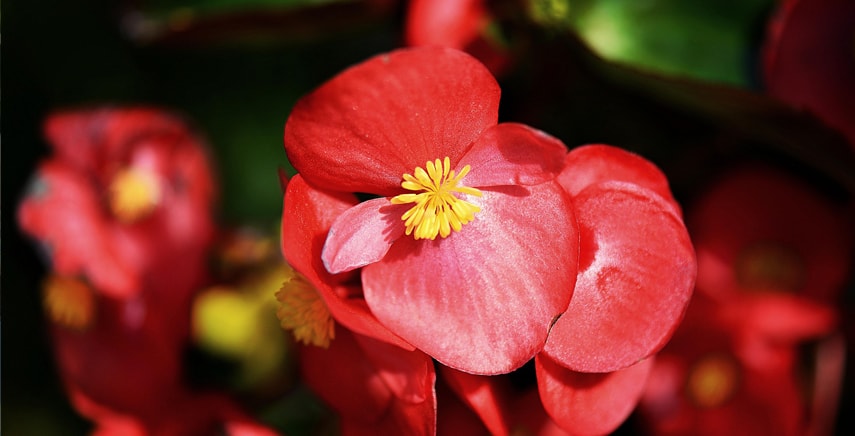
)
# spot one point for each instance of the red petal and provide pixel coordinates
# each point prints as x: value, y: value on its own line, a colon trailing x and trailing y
x: 409, y: 374
x: 363, y: 234
x: 590, y: 403
x: 307, y: 216
x: 364, y: 129
x: 483, y: 394
x: 591, y: 164
x: 513, y: 154
x: 343, y: 377
x: 482, y: 299
x: 637, y: 272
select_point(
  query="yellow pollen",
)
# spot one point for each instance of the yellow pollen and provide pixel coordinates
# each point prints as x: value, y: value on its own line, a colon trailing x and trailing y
x: 69, y: 302
x: 134, y: 193
x: 712, y: 380
x: 437, y: 211
x: 302, y: 310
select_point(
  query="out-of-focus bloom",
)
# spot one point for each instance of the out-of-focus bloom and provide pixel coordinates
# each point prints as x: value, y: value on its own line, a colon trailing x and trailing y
x: 376, y: 382
x: 772, y: 258
x: 123, y: 211
x: 809, y: 61
x: 125, y: 198
x: 461, y: 24
x: 470, y: 255
x: 701, y: 385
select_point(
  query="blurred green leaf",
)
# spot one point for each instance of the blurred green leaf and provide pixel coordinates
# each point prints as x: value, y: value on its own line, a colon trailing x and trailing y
x: 704, y: 39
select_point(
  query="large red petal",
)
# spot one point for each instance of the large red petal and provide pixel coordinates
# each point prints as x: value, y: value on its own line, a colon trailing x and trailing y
x: 307, y: 216
x: 364, y: 129
x: 637, y: 272
x: 591, y: 164
x: 513, y: 154
x: 363, y: 234
x: 482, y: 299
x: 590, y: 403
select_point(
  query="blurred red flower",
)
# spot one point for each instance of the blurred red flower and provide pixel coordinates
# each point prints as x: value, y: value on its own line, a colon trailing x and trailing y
x: 461, y: 24
x: 126, y: 196
x: 809, y: 61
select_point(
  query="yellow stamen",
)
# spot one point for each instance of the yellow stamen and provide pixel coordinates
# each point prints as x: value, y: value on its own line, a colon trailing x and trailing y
x: 69, y: 302
x: 437, y: 211
x: 302, y: 310
x: 713, y: 380
x: 134, y: 193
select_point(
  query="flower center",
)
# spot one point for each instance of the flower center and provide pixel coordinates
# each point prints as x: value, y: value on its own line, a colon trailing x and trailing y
x: 769, y: 266
x: 302, y: 310
x: 437, y: 211
x: 134, y: 193
x: 712, y: 380
x: 69, y: 302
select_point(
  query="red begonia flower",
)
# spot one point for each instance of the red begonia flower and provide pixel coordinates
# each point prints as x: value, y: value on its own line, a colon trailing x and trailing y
x: 761, y: 230
x: 636, y: 264
x: 125, y: 198
x: 459, y: 24
x: 702, y: 385
x: 477, y: 287
x: 809, y: 61
x: 376, y: 387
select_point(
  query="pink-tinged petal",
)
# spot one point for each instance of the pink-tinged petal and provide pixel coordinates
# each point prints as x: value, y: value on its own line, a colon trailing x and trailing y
x: 513, y: 154
x: 637, y: 271
x: 782, y: 318
x: 307, y: 216
x: 590, y: 403
x: 345, y: 379
x: 591, y: 164
x: 363, y: 234
x: 409, y: 374
x: 63, y: 212
x: 482, y: 299
x: 364, y: 129
x: 485, y: 395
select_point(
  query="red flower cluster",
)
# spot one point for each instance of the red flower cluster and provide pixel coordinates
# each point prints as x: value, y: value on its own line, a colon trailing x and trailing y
x: 124, y: 200
x: 772, y: 258
x: 483, y: 245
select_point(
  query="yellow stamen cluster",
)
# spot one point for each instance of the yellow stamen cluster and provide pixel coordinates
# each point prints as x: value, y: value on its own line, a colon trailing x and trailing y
x: 713, y: 380
x: 69, y: 302
x: 134, y: 193
x: 303, y: 311
x: 437, y: 211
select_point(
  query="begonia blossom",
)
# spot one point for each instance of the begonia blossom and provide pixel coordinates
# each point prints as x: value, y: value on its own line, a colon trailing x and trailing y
x: 125, y: 197
x: 469, y: 251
